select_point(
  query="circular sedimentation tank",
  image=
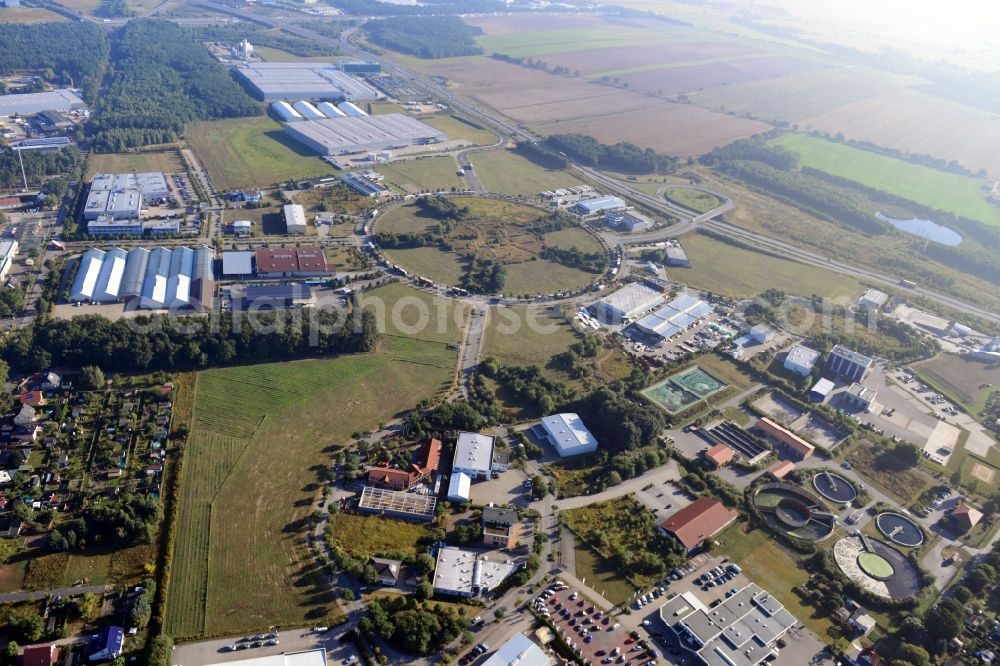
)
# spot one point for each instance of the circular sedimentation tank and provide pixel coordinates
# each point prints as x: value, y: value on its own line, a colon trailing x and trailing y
x: 793, y: 510
x: 899, y: 529
x: 834, y: 487
x: 875, y: 566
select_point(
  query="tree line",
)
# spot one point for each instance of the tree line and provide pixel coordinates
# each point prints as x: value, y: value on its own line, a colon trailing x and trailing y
x: 162, y: 81
x: 74, y: 53
x: 162, y: 342
x: 623, y: 156
x: 540, y: 155
x: 425, y: 36
x: 592, y: 262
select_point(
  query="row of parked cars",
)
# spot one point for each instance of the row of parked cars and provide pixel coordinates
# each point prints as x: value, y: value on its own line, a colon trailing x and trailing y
x: 718, y: 576
x: 249, y: 642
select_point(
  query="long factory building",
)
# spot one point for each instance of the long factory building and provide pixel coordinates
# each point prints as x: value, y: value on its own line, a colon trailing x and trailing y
x: 355, y: 134
x: 161, y: 278
x: 62, y: 99
x: 269, y: 81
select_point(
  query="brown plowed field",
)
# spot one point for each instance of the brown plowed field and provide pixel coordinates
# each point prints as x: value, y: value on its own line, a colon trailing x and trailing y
x: 556, y: 104
x: 520, y: 23
x: 919, y: 123
x: 603, y: 60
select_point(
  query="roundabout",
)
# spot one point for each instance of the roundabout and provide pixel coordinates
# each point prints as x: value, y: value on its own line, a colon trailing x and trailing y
x: 790, y: 509
x: 834, y: 487
x: 899, y: 529
x: 491, y: 245
x: 876, y: 567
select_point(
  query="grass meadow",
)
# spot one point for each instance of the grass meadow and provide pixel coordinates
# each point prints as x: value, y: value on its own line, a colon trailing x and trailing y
x: 366, y: 536
x: 261, y: 435
x: 167, y: 161
x: 245, y: 152
x: 696, y: 200
x: 507, y: 172
x: 734, y: 271
x: 949, y: 192
x: 460, y: 128
x: 424, y: 174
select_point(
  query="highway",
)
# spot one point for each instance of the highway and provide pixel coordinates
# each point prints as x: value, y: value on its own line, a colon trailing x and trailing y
x: 687, y: 220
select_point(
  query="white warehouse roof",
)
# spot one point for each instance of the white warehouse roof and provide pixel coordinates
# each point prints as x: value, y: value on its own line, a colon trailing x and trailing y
x: 315, y: 657
x: 63, y: 99
x: 518, y: 651
x: 473, y: 452
x: 459, y: 487
x: 629, y: 301
x: 110, y: 280
x: 303, y: 80
x: 468, y: 574
x: 336, y: 136
x: 568, y: 434
x: 85, y: 284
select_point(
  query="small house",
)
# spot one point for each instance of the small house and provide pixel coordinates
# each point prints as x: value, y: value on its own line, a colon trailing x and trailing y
x: 388, y: 570
x: 40, y: 655
x: 106, y: 644
x: 25, y: 416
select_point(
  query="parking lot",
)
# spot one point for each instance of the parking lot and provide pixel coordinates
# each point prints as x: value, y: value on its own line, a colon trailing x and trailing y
x: 590, y: 630
x: 292, y: 640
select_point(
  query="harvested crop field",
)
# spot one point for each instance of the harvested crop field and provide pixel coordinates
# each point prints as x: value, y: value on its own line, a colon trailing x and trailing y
x: 592, y: 62
x: 918, y: 123
x: 685, y: 78
x: 559, y: 104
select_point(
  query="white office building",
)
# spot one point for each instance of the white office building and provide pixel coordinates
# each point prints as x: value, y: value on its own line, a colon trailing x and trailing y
x: 295, y: 219
x: 473, y: 455
x: 801, y: 360
x: 464, y: 573
x: 567, y: 434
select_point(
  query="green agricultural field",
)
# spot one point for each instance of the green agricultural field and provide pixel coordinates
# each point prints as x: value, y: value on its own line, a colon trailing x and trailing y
x: 278, y: 55
x: 167, y: 161
x: 696, y: 200
x: 460, y: 128
x: 259, y: 431
x: 367, y: 536
x: 734, y: 271
x: 507, y: 172
x: 403, y: 310
x: 425, y: 174
x: 949, y: 192
x: 544, y: 42
x: 245, y: 152
x: 960, y: 378
x: 573, y: 237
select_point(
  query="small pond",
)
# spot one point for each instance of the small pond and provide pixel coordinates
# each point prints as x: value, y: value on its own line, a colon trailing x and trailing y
x: 924, y: 228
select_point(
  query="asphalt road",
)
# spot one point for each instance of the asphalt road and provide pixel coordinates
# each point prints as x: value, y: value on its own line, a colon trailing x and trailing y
x: 58, y: 592
x: 292, y: 640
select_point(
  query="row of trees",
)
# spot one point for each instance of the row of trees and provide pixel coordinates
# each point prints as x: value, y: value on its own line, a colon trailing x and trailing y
x: 592, y: 262
x: 425, y: 36
x: 163, y: 342
x: 624, y: 157
x: 484, y: 276
x: 542, y: 156
x: 69, y: 53
x: 162, y: 81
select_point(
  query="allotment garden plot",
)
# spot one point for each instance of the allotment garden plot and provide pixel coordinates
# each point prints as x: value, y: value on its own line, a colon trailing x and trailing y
x: 684, y: 389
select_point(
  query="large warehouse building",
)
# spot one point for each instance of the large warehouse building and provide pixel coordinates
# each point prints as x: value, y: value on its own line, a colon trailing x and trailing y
x: 303, y: 80
x: 121, y: 195
x: 181, y: 278
x: 626, y: 303
x: 675, y: 317
x: 28, y: 103
x: 356, y: 134
x: 567, y: 434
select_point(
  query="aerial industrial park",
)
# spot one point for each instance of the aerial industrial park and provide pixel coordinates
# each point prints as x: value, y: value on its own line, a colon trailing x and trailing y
x: 498, y: 334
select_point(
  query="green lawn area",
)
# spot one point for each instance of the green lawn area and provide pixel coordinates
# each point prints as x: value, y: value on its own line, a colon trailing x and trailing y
x: 950, y: 192
x: 527, y: 335
x: 725, y: 369
x: 960, y: 378
x: 544, y: 277
x: 695, y: 200
x: 542, y: 42
x: 601, y: 576
x: 431, y: 262
x: 167, y: 161
x: 424, y: 174
x: 271, y: 54
x: 774, y: 569
x: 245, y: 152
x: 507, y: 172
x: 404, y: 310
x: 367, y: 536
x: 734, y: 271
x: 573, y: 237
x: 458, y: 127
x: 241, y: 562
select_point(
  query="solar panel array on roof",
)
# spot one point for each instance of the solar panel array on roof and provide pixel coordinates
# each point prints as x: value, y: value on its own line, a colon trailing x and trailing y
x: 675, y: 316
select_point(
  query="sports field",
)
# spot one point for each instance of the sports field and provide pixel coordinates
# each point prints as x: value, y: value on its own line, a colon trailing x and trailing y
x: 247, y: 152
x: 167, y: 161
x: 241, y: 562
x: 949, y: 192
x: 734, y: 271
x: 507, y: 172
x: 682, y: 390
x: 425, y: 174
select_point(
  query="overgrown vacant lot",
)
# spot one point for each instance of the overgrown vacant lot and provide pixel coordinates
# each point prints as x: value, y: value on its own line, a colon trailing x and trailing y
x: 365, y: 536
x: 261, y: 433
x: 949, y: 192
x: 166, y: 161
x: 245, y: 152
x: 904, y: 481
x: 507, y: 172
